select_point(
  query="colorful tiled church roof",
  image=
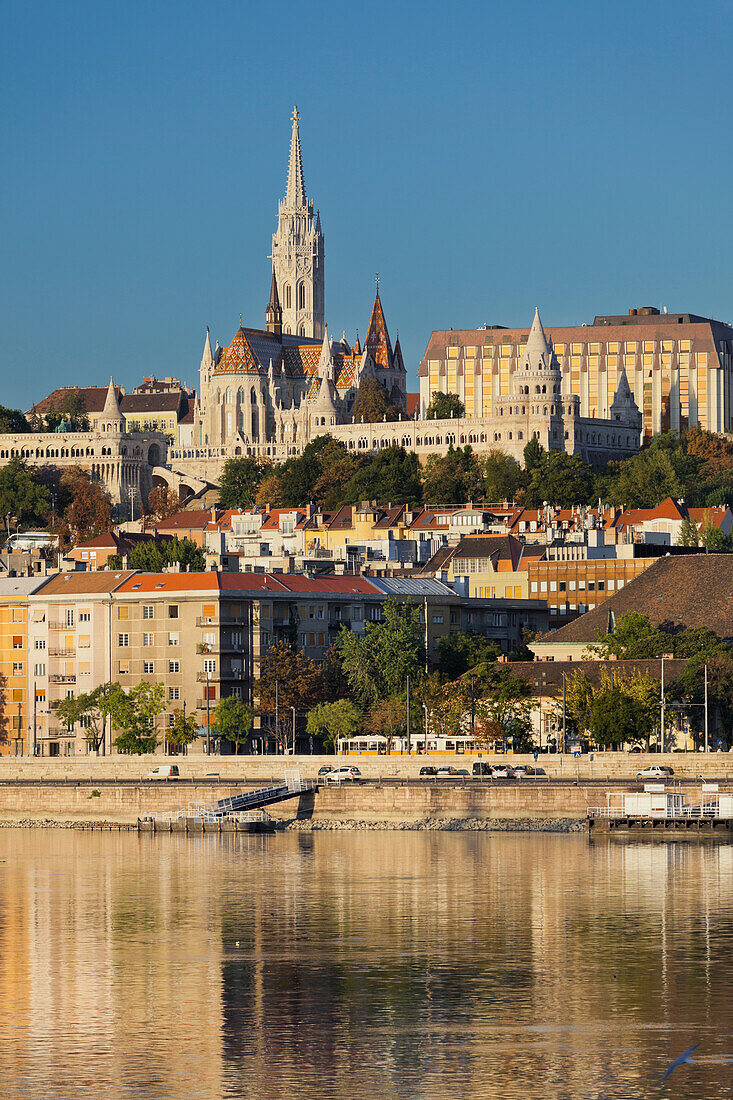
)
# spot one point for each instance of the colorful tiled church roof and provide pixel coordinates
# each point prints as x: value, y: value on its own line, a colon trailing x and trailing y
x: 377, y: 341
x: 238, y: 358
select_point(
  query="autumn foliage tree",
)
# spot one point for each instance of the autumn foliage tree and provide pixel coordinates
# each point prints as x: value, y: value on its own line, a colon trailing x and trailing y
x: 295, y: 678
x: 163, y: 502
x: 89, y: 511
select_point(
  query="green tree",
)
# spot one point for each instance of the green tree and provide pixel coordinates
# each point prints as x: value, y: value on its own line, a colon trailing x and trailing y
x: 152, y: 556
x: 560, y: 479
x: 504, y: 712
x: 393, y: 475
x: 644, y: 480
x: 447, y: 702
x: 533, y: 451
x: 689, y: 533
x: 377, y: 663
x: 183, y: 732
x: 633, y: 638
x: 615, y: 718
x: 23, y: 497
x: 453, y: 478
x: 459, y: 653
x: 335, y: 721
x: 578, y: 702
x: 13, y: 421
x: 133, y: 715
x: 90, y: 710
x: 373, y: 403
x: 443, y: 406
x: 503, y: 477
x: 233, y: 720
x: 337, y: 466
x: 240, y: 480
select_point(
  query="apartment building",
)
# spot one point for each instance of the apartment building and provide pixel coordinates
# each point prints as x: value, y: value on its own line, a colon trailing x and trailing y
x: 679, y: 367
x: 486, y: 566
x: 70, y: 651
x: 14, y: 593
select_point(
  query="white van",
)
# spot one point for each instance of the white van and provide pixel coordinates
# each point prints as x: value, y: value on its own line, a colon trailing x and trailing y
x: 164, y: 771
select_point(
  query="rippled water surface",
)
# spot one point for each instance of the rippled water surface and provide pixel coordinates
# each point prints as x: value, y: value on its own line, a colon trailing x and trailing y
x: 363, y: 965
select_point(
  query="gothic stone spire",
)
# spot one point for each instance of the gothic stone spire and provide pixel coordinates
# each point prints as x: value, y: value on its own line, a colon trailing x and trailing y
x: 295, y: 191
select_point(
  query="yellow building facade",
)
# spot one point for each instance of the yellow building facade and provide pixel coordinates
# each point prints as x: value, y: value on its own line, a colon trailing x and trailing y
x: 679, y: 367
x: 14, y: 663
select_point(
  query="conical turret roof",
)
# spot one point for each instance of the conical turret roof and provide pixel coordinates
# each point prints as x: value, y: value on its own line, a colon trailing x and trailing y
x: 111, y: 409
x: 377, y: 342
x: 538, y: 352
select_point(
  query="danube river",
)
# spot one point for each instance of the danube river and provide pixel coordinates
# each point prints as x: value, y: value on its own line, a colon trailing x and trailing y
x: 363, y: 965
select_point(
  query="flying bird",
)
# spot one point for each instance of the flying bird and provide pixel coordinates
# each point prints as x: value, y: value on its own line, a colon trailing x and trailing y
x: 683, y: 1059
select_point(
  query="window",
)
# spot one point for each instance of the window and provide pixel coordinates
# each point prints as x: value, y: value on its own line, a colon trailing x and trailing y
x: 171, y: 719
x: 85, y: 616
x: 69, y: 617
x: 437, y: 618
x: 148, y: 611
x: 208, y: 610
x: 173, y: 611
x: 84, y: 640
x: 40, y: 643
x: 173, y: 639
x: 39, y: 670
x: 209, y: 664
x: 148, y: 667
x: 561, y: 586
x: 17, y: 668
x: 148, y: 639
x: 123, y: 640
x: 174, y: 666
x: 17, y: 641
x: 174, y: 694
x: 123, y: 611
x: 124, y: 667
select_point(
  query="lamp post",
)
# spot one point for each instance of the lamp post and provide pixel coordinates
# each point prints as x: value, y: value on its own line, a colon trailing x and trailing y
x: 425, y: 736
x: 662, y: 709
x: 408, y: 717
x: 293, y: 710
x: 277, y: 715
x: 208, y: 715
x: 706, y: 708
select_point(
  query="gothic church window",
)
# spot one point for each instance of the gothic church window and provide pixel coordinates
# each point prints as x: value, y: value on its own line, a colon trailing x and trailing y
x: 301, y: 296
x: 288, y: 298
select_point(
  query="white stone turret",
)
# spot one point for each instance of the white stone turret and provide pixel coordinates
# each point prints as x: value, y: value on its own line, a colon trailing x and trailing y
x: 111, y: 420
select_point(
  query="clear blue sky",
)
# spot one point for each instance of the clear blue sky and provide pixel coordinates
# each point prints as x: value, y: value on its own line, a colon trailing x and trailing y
x: 485, y: 158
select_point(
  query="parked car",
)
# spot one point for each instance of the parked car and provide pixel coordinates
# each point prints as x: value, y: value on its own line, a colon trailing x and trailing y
x: 346, y: 774
x: 448, y: 769
x: 528, y: 771
x: 428, y: 770
x: 502, y: 771
x: 480, y: 767
x: 461, y: 771
x: 325, y: 770
x: 655, y: 771
x: 164, y: 771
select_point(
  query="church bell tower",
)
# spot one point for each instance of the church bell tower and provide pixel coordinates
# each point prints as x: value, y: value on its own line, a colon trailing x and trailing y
x: 297, y: 252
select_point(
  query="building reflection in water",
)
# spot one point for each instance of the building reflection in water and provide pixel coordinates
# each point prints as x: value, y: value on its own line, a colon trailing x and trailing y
x: 361, y: 965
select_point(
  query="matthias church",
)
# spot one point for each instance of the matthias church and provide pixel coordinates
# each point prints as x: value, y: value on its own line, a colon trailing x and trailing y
x: 269, y: 391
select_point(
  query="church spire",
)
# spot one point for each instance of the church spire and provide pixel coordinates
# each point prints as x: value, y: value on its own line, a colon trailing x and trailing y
x: 274, y: 313
x: 378, y: 343
x: 295, y: 192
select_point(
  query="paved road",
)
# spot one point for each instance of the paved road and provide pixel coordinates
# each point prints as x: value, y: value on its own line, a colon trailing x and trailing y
x: 432, y: 781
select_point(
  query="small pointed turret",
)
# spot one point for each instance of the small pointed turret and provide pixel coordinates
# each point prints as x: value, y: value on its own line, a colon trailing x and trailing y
x: 295, y: 191
x: 274, y: 313
x: 377, y: 341
x: 111, y: 414
x: 538, y: 351
x: 357, y: 345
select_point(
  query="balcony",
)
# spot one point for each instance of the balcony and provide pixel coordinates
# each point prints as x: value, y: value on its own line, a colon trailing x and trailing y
x: 208, y: 677
x: 60, y: 678
x: 68, y: 653
x: 60, y: 626
x: 207, y: 620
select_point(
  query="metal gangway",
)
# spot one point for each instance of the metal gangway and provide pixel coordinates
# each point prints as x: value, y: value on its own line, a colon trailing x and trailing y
x: 243, y: 807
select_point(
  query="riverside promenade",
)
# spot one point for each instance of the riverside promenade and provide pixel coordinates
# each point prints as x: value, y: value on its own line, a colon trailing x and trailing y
x: 115, y: 790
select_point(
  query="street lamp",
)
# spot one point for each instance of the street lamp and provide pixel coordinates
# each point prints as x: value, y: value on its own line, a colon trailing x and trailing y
x: 425, y: 741
x: 293, y: 710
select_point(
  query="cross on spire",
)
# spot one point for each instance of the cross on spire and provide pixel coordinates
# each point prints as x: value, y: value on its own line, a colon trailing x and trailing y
x: 376, y: 280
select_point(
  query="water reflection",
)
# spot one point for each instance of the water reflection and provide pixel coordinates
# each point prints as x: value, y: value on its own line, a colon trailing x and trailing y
x: 362, y: 965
